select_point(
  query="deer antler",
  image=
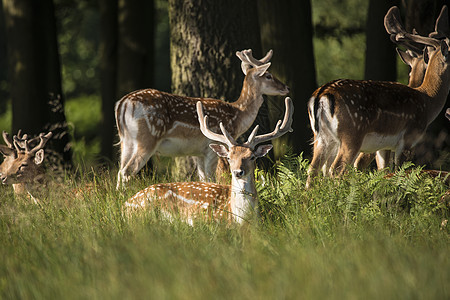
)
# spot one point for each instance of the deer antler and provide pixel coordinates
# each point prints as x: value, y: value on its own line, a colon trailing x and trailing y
x: 393, y: 24
x: 224, y: 138
x: 7, y: 139
x: 442, y: 27
x: 280, y: 129
x: 22, y: 142
x: 248, y: 61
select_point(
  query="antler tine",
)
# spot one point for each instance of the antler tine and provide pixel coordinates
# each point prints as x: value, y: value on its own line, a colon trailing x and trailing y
x: 280, y: 129
x: 407, y: 37
x: 255, y: 62
x: 7, y: 139
x: 393, y: 22
x: 221, y: 138
x: 245, y: 64
x: 447, y: 113
x: 416, y: 48
x: 442, y: 26
x: 43, y: 140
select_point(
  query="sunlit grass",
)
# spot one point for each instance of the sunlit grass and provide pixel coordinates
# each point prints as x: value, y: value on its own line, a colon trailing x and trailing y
x: 364, y: 236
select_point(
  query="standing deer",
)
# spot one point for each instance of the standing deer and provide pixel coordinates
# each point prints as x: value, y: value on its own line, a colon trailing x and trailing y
x: 217, y: 201
x: 21, y: 166
x: 352, y: 116
x: 417, y: 59
x: 150, y: 121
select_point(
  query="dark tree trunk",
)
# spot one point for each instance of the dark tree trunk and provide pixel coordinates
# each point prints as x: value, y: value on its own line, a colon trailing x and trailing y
x: 381, y: 57
x: 3, y: 63
x: 287, y: 29
x: 108, y: 73
x: 435, y: 146
x: 136, y: 43
x: 205, y: 36
x: 34, y: 71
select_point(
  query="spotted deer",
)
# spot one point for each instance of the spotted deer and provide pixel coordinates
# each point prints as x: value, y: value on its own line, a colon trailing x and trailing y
x: 21, y: 166
x: 352, y: 116
x: 417, y: 59
x: 150, y: 121
x: 217, y: 201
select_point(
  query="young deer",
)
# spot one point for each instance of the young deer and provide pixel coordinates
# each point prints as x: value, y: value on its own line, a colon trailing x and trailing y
x: 217, y: 201
x: 150, y: 121
x: 352, y: 116
x: 21, y: 166
x: 416, y: 57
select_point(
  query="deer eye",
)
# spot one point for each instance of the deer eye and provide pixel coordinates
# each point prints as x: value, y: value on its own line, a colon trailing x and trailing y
x: 269, y: 76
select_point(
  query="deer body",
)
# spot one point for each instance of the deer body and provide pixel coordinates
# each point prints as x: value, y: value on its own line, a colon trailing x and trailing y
x: 150, y: 121
x: 416, y: 58
x: 216, y: 201
x: 350, y: 116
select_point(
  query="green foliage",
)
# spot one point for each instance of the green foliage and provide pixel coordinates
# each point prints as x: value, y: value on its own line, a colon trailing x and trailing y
x: 363, y: 236
x: 84, y: 117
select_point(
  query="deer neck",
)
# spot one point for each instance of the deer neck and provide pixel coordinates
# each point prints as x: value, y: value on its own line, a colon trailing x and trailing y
x: 243, y: 197
x: 436, y: 87
x: 248, y: 106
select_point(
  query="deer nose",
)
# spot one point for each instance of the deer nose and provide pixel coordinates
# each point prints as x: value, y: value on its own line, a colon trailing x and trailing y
x: 3, y: 178
x: 238, y: 173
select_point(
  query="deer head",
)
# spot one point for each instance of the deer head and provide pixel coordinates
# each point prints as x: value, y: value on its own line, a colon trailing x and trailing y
x: 21, y: 162
x: 256, y: 73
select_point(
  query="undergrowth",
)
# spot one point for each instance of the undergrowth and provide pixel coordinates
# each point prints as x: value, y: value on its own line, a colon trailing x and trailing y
x: 361, y: 236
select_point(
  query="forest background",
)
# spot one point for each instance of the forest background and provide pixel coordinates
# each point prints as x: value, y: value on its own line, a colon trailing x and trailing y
x: 64, y: 63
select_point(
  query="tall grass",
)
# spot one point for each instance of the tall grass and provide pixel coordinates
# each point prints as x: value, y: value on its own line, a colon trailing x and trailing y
x: 363, y: 236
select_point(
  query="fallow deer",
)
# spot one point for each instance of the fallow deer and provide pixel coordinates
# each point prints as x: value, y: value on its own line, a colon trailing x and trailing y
x: 216, y: 201
x: 416, y: 57
x: 352, y: 116
x: 150, y: 121
x: 21, y: 166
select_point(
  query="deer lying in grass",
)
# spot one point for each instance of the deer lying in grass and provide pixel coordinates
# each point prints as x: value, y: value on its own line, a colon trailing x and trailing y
x: 150, y: 121
x: 416, y: 57
x: 216, y: 201
x: 21, y: 166
x: 353, y: 116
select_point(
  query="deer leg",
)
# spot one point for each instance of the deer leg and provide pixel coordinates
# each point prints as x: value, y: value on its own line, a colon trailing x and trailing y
x: 363, y: 160
x: 347, y: 154
x: 382, y: 158
x: 142, y: 151
x: 210, y: 163
x: 319, y: 159
x: 126, y: 152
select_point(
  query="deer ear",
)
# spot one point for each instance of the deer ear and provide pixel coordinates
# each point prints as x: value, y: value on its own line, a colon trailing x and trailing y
x: 405, y: 56
x: 260, y: 70
x: 39, y: 157
x: 220, y: 150
x: 6, y: 151
x: 262, y: 150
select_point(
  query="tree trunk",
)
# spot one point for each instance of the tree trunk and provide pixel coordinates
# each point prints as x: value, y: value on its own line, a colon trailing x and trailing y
x: 287, y: 29
x: 205, y: 36
x: 108, y: 73
x: 34, y: 71
x: 136, y: 43
x: 381, y: 58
